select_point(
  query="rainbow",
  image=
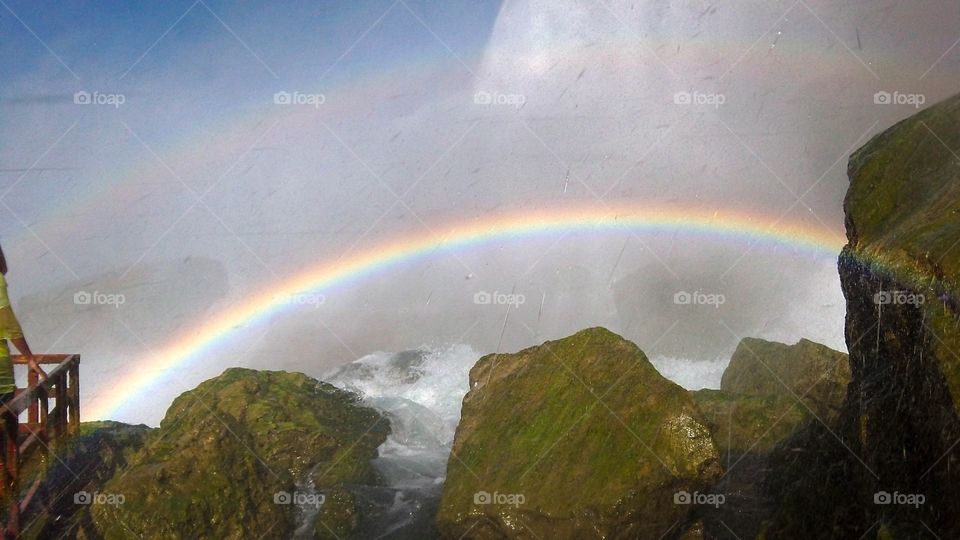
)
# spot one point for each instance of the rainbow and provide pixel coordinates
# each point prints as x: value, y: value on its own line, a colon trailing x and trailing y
x: 723, y: 224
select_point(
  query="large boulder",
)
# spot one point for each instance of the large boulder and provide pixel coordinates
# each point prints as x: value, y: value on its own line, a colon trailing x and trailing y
x: 806, y: 372
x: 895, y: 441
x: 769, y: 391
x: 247, y: 454
x: 575, y: 438
x: 749, y: 423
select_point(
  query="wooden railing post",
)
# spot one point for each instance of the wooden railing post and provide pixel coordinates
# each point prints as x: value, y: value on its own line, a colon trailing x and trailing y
x: 60, y: 421
x: 11, y: 470
x: 32, y: 380
x: 43, y: 399
x: 74, y: 389
x: 47, y: 428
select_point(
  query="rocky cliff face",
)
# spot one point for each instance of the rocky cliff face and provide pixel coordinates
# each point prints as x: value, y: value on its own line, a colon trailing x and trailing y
x: 892, y: 456
x: 575, y: 438
x: 900, y: 273
x: 248, y: 454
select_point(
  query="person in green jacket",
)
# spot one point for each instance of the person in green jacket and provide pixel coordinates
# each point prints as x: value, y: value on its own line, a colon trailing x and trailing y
x: 10, y: 330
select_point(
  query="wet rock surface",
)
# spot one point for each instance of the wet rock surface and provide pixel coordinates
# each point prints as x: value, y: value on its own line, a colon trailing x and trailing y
x: 246, y: 454
x: 575, y: 438
x: 769, y: 392
x: 806, y: 372
x: 76, y: 472
x: 894, y: 442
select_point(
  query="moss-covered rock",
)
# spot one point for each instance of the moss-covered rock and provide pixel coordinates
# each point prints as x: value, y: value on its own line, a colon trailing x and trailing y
x: 81, y: 466
x: 233, y: 456
x: 575, y: 438
x: 744, y: 423
x: 770, y: 389
x: 809, y: 372
x: 770, y: 392
x: 900, y: 274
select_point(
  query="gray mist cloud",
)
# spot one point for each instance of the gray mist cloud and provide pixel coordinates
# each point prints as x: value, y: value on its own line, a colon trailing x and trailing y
x: 199, y: 193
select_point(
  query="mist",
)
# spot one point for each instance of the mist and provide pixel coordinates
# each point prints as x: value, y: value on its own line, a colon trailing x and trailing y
x: 202, y: 190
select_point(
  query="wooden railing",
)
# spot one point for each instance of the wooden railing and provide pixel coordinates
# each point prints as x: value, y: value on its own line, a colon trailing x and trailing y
x: 45, y: 430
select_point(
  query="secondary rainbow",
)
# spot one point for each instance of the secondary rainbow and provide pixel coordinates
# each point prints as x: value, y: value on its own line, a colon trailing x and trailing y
x: 723, y: 224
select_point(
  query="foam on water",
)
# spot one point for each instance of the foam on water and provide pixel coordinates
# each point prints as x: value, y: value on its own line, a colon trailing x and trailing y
x: 435, y: 380
x: 420, y: 391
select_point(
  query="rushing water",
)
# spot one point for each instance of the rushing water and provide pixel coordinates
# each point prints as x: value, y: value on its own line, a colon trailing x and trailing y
x: 307, y: 508
x: 420, y: 392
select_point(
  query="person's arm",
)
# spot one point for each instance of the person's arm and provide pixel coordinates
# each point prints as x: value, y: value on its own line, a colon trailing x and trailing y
x: 20, y: 342
x: 22, y: 346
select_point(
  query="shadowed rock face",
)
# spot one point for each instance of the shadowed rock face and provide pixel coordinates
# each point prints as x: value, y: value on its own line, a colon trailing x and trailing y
x: 579, y: 437
x: 770, y: 391
x: 900, y: 273
x: 89, y: 459
x: 226, y: 449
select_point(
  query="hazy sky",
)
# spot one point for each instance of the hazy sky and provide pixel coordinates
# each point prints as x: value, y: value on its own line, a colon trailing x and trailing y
x: 187, y: 189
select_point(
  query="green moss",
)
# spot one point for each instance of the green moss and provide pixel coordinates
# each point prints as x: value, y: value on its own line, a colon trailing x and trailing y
x: 338, y: 517
x: 770, y: 389
x: 899, y: 426
x: 582, y: 426
x: 903, y: 217
x: 743, y: 423
x: 227, y: 447
x: 809, y: 372
x: 87, y: 460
